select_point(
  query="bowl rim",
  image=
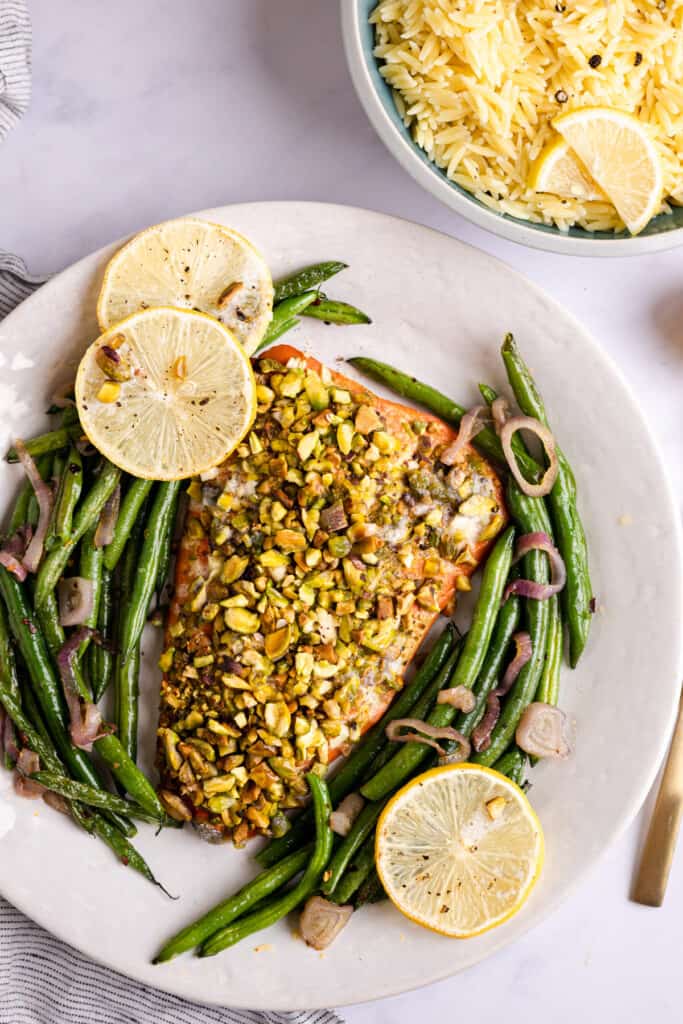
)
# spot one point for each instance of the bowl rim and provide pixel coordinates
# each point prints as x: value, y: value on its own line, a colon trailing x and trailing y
x: 423, y: 174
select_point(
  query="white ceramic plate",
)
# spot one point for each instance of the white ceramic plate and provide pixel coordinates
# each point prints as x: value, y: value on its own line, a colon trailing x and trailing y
x: 440, y: 309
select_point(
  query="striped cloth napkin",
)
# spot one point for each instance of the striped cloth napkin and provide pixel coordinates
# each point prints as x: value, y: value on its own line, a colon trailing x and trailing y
x: 15, y: 62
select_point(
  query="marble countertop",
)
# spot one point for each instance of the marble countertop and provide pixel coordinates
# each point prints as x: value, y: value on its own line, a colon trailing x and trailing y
x: 144, y: 111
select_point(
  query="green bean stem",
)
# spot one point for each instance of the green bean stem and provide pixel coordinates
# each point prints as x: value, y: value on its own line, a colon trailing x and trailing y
x: 130, y: 509
x: 264, y: 885
x: 309, y: 882
x: 415, y: 391
x: 364, y: 754
x: 335, y: 312
x: 86, y: 516
x: 306, y: 279
x: 571, y: 538
x: 526, y: 512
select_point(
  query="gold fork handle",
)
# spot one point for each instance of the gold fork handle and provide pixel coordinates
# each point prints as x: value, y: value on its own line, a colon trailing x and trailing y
x: 660, y: 844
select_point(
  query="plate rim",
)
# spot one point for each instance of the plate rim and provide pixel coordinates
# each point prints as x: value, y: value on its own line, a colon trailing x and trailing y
x: 648, y: 777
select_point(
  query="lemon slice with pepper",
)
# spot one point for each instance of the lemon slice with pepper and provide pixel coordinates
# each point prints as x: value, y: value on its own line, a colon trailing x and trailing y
x: 166, y: 394
x: 190, y: 264
x: 459, y: 849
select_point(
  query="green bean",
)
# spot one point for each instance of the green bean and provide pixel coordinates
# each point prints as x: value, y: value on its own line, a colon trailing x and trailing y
x: 284, y: 313
x: 468, y: 666
x: 264, y: 885
x: 335, y: 312
x: 126, y: 772
x: 415, y: 391
x: 577, y: 595
x: 57, y: 473
x: 100, y: 656
x: 549, y: 686
x: 306, y: 279
x: 513, y: 764
x: 356, y: 873
x: 127, y: 694
x: 36, y: 740
x: 59, y: 783
x: 363, y: 826
x: 166, y: 552
x: 44, y: 443
x: 527, y: 513
x: 87, y: 514
x: 90, y: 568
x: 131, y: 507
x: 309, y: 882
x: 8, y: 665
x: 46, y: 686
x: 147, y: 569
x: 68, y: 493
x: 410, y: 756
x: 366, y: 751
x: 506, y: 624
x: 124, y: 850
x: 371, y: 891
x: 282, y: 328
x: 55, y: 638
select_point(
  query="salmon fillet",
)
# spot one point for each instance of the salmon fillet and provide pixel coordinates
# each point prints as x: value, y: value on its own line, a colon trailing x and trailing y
x: 312, y: 564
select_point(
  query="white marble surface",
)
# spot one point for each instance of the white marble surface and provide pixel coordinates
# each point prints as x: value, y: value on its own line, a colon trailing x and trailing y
x: 145, y: 109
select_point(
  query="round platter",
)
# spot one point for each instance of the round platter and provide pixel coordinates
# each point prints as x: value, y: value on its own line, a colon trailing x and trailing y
x: 440, y: 309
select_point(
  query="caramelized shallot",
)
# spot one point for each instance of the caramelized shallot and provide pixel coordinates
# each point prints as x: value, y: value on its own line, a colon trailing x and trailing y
x: 321, y: 921
x: 344, y: 816
x: 43, y: 493
x: 459, y: 697
x: 470, y: 425
x: 544, y: 731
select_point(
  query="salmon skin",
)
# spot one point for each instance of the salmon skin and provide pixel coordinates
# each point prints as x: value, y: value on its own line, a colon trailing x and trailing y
x: 312, y: 564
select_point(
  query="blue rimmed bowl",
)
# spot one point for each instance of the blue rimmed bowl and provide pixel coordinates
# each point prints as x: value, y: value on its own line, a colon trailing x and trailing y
x: 664, y: 232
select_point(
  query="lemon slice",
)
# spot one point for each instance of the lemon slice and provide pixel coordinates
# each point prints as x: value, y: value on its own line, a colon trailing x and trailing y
x: 458, y: 849
x: 190, y: 264
x: 166, y: 393
x: 558, y: 171
x: 620, y: 156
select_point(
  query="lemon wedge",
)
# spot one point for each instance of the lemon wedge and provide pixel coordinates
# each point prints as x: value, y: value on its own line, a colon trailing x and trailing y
x: 459, y: 849
x: 619, y: 155
x: 190, y: 264
x: 558, y: 171
x: 166, y: 393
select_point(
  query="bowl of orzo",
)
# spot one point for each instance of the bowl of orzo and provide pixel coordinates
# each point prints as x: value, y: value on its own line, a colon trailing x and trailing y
x: 554, y: 124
